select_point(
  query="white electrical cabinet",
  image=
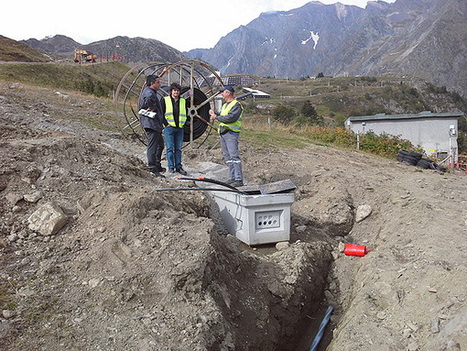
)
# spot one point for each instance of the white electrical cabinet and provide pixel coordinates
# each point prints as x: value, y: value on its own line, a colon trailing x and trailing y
x: 256, y: 219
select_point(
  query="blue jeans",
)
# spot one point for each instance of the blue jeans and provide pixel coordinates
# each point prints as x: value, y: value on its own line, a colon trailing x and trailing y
x: 173, y: 144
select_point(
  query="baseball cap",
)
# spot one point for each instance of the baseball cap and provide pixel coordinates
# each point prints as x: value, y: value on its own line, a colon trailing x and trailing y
x: 229, y: 88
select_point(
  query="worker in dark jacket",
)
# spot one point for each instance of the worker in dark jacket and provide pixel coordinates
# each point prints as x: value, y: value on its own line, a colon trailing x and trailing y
x: 230, y: 123
x: 174, y: 109
x: 151, y: 118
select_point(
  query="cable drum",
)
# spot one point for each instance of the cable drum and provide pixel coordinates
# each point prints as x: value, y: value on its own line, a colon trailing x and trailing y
x: 199, y: 126
x: 201, y: 86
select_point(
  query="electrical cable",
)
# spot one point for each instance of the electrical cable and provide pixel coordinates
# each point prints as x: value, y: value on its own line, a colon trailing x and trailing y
x: 199, y: 127
x: 320, y: 333
x: 212, y: 181
x: 198, y: 189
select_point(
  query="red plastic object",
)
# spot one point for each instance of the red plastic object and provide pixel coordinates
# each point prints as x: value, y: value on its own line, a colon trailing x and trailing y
x: 355, y: 250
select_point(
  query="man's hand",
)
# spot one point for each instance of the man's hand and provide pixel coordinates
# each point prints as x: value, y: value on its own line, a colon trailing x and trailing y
x: 213, y: 115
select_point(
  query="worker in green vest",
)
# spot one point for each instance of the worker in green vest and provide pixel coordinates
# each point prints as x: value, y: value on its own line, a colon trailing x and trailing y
x: 230, y: 123
x: 174, y: 109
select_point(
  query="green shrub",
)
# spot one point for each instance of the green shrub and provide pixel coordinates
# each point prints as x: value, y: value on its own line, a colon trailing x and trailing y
x: 338, y: 135
x: 309, y: 115
x: 384, y: 145
x: 283, y: 114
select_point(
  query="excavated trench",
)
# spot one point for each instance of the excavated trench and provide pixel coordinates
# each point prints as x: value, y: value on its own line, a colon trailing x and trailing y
x: 293, y: 282
x: 130, y: 250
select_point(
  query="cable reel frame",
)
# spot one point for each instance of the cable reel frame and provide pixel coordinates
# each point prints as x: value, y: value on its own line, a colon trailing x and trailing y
x: 200, y: 87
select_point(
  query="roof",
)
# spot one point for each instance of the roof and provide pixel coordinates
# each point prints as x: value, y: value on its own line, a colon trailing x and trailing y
x: 256, y: 93
x: 424, y: 114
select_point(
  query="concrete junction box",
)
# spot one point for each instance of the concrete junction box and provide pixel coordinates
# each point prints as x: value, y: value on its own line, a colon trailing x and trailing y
x: 256, y: 219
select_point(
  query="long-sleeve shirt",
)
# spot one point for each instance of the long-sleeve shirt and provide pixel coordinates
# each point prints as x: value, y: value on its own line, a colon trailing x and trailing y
x: 232, y: 116
x: 149, y: 100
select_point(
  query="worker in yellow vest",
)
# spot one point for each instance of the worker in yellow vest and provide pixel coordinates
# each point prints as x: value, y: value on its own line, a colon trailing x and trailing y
x: 174, y: 109
x: 230, y: 123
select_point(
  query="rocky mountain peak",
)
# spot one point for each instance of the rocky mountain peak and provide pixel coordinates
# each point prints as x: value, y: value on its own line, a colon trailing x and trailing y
x: 420, y: 38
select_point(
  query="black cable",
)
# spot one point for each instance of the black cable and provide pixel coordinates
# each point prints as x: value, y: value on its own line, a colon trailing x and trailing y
x: 212, y: 181
x: 200, y: 189
x: 199, y: 127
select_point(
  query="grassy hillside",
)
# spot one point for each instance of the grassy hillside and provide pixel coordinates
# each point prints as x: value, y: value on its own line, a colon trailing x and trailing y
x: 333, y: 99
x: 14, y: 51
x: 336, y: 99
x: 99, y: 79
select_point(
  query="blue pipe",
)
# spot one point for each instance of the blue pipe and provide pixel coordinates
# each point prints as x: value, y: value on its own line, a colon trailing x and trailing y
x: 319, y: 335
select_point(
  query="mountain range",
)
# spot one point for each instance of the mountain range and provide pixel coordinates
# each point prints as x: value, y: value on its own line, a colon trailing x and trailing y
x: 416, y: 38
x: 135, y: 49
x: 423, y: 38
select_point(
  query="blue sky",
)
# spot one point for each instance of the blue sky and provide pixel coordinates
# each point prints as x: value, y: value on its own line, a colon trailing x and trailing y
x: 182, y: 24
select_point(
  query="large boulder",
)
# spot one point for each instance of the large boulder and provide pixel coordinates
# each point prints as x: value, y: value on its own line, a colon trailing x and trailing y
x: 48, y: 219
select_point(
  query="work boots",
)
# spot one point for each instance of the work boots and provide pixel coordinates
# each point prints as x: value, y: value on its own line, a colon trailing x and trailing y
x: 237, y: 183
x: 181, y: 171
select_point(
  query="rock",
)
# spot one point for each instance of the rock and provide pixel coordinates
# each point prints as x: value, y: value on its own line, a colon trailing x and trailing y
x: 407, y: 333
x: 276, y: 288
x: 381, y: 315
x: 3, y: 184
x: 331, y: 208
x: 64, y: 96
x: 26, y: 291
x: 93, y: 283
x: 7, y: 314
x: 12, y: 238
x: 47, y: 219
x: 34, y: 197
x: 13, y: 198
x: 363, y: 211
x: 282, y: 245
x: 329, y: 296
x: 435, y: 325
x: 413, y: 346
x: 457, y: 324
x: 453, y: 346
x: 302, y: 228
x: 412, y: 326
x: 341, y: 247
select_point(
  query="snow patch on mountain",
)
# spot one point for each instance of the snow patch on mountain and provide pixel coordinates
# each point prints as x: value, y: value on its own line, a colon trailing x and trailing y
x: 341, y: 10
x: 313, y: 36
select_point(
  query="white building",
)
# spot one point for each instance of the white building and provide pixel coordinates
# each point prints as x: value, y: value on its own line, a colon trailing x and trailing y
x: 257, y: 93
x: 436, y: 133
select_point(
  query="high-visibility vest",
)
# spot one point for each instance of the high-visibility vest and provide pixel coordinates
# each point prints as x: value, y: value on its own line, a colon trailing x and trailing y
x: 237, y: 125
x: 169, y: 112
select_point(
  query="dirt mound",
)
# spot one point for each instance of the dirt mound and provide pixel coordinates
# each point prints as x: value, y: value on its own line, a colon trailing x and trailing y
x: 133, y: 267
x: 144, y: 270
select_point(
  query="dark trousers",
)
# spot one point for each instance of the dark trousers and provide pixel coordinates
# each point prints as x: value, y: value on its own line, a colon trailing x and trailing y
x: 154, y: 150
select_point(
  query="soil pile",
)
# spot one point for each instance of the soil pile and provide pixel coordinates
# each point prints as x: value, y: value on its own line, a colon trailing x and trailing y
x: 137, y: 269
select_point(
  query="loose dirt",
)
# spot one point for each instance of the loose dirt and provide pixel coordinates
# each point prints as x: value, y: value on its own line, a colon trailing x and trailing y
x: 139, y: 269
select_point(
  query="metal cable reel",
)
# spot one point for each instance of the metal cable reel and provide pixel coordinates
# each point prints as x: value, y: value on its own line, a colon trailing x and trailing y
x: 200, y: 87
